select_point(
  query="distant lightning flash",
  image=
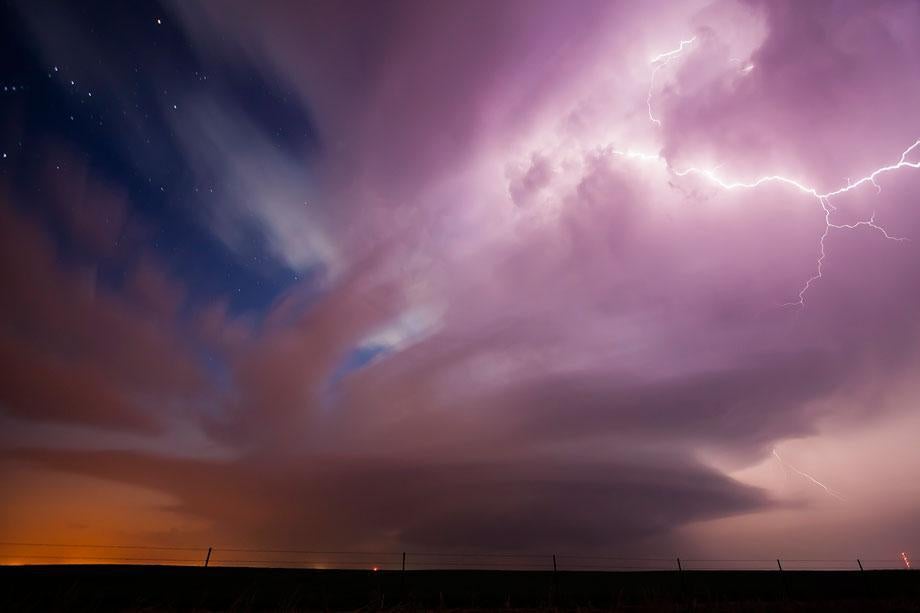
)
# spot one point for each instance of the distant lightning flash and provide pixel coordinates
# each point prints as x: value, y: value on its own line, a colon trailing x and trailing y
x: 744, y: 69
x: 905, y: 559
x: 660, y: 61
x: 823, y: 198
x: 808, y: 477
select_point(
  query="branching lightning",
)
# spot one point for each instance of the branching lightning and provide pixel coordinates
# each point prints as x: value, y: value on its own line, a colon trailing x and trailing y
x: 823, y: 198
x: 658, y: 62
x: 805, y: 475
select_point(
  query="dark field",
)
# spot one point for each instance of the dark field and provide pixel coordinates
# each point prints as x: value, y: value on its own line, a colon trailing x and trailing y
x: 162, y: 588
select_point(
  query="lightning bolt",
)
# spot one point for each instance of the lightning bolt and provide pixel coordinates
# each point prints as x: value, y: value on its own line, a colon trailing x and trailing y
x: 658, y: 62
x: 905, y: 559
x: 808, y: 477
x: 823, y: 198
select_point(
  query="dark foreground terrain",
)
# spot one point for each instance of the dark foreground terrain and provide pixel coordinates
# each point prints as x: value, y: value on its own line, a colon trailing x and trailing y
x: 163, y: 588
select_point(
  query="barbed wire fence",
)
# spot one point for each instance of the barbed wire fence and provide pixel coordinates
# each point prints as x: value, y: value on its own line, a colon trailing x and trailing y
x: 31, y: 553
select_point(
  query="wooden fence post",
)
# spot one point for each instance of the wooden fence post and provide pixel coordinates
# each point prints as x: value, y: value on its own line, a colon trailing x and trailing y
x: 554, y: 589
x: 402, y: 578
x: 782, y: 580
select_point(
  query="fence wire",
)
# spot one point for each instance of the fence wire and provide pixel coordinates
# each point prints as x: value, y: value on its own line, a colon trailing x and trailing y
x: 33, y: 553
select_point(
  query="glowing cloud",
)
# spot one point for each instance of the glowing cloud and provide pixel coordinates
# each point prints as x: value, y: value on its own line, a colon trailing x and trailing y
x: 823, y: 198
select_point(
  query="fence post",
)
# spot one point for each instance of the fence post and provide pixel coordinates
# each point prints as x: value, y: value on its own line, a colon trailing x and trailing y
x: 680, y: 568
x: 554, y: 589
x: 782, y: 581
x: 207, y: 558
x: 859, y: 563
x: 402, y: 578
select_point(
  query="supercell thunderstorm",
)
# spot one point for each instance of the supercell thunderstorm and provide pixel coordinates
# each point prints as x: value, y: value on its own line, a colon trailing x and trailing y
x: 594, y: 264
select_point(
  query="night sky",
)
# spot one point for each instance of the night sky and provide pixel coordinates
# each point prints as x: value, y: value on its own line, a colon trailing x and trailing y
x: 524, y: 276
